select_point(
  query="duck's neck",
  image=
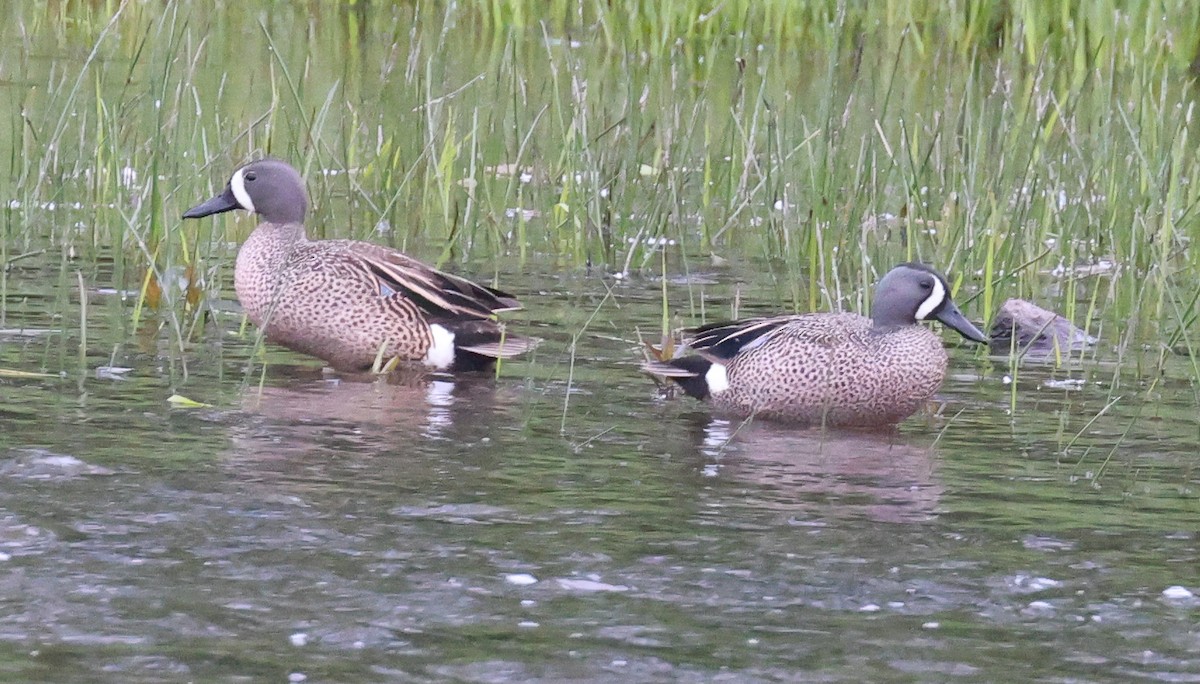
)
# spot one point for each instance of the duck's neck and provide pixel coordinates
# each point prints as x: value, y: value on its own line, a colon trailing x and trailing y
x: 264, y: 256
x: 885, y: 329
x: 886, y: 318
x: 275, y: 240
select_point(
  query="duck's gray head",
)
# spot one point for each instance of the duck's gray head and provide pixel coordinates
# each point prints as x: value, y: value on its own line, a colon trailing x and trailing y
x: 268, y: 187
x: 915, y: 292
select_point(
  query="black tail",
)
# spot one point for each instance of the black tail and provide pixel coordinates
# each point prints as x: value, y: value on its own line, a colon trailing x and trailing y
x: 688, y: 371
x: 477, y: 345
x: 468, y: 362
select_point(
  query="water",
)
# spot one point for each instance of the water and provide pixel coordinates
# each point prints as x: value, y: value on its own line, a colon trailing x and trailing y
x: 562, y: 522
x: 520, y: 529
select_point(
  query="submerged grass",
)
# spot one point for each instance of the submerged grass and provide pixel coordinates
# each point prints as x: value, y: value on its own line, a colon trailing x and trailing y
x: 1033, y: 149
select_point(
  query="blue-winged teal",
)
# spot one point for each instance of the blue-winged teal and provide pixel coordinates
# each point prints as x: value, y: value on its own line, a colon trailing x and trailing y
x: 830, y: 368
x: 352, y: 303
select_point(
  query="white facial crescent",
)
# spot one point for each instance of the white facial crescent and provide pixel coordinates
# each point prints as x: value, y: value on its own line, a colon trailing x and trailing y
x: 238, y: 185
x: 933, y: 301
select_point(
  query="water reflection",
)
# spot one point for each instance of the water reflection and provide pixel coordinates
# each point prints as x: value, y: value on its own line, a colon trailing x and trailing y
x: 423, y: 404
x: 307, y: 424
x: 886, y: 476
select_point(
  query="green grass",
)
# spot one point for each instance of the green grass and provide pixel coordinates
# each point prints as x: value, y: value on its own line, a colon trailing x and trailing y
x: 1009, y: 143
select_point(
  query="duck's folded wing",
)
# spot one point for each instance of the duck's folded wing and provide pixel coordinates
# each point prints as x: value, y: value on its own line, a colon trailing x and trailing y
x: 721, y: 341
x: 438, y: 293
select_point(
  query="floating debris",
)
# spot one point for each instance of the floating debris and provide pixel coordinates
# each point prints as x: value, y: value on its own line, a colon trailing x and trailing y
x: 1177, y: 593
x: 112, y: 291
x: 563, y: 42
x: 180, y: 401
x: 1038, y: 609
x: 1102, y: 267
x: 1027, y: 584
x: 589, y: 585
x: 652, y: 241
x: 523, y: 214
x: 523, y: 174
x: 112, y: 372
x: 1069, y: 384
x: 20, y: 374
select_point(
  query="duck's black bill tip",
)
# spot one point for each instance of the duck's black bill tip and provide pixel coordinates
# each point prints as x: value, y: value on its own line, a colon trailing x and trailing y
x: 221, y: 203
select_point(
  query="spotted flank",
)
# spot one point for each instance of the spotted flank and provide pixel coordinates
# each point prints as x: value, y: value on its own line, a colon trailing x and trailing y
x: 354, y: 304
x: 827, y: 368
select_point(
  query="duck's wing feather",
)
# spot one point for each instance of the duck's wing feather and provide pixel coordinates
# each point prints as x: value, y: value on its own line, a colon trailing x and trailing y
x: 437, y: 293
x: 723, y: 341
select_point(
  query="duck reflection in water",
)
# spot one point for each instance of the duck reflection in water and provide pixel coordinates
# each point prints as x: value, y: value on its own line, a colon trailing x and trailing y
x: 312, y: 421
x: 886, y: 476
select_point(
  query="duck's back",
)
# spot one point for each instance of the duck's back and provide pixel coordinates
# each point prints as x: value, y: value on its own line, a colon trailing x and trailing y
x: 835, y: 369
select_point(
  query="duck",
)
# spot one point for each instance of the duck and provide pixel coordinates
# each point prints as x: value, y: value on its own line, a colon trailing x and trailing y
x: 356, y: 305
x: 833, y: 369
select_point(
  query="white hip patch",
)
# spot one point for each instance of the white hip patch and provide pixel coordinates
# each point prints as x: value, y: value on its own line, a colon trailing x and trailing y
x: 441, y: 351
x: 717, y: 379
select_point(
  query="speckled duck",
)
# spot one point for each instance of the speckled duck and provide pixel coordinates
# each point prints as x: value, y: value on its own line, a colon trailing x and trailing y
x: 350, y: 302
x: 837, y: 369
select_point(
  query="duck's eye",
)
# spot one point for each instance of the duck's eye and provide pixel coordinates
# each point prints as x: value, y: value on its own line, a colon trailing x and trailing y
x: 250, y: 176
x: 926, y: 285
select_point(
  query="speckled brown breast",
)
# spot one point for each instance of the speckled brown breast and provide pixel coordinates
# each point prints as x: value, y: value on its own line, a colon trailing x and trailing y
x: 307, y: 299
x: 834, y: 369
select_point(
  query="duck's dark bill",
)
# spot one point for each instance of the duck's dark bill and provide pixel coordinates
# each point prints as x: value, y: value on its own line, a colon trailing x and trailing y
x: 222, y: 202
x: 952, y: 317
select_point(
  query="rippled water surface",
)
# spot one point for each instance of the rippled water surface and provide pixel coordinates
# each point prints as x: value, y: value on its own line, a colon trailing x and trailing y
x: 560, y: 522
x: 527, y: 528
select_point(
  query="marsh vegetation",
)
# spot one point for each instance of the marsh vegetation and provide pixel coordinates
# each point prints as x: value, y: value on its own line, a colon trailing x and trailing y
x: 625, y: 170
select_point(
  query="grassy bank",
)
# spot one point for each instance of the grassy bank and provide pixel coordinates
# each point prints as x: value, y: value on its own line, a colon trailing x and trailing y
x: 1033, y: 149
